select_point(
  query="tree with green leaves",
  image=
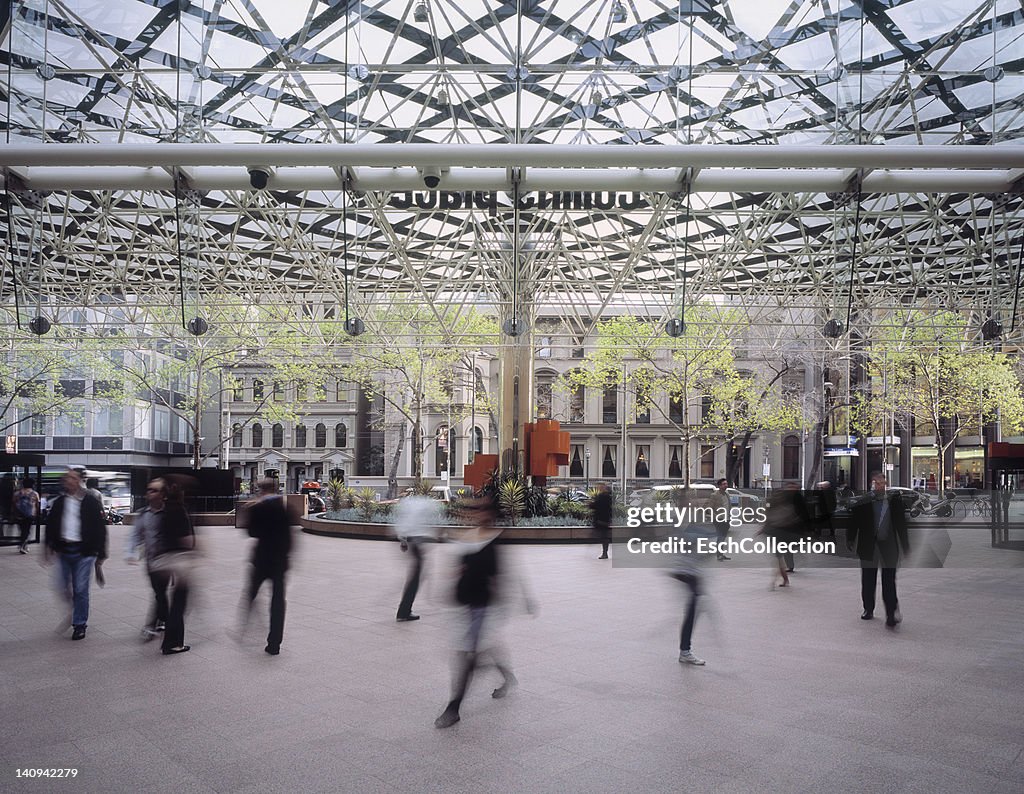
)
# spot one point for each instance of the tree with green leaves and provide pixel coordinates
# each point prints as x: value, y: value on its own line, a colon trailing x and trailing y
x: 925, y: 367
x: 191, y: 375
x: 696, y: 371
x: 413, y: 357
x: 46, y: 377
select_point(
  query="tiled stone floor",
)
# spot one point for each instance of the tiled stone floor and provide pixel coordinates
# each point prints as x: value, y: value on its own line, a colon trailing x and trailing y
x: 798, y: 694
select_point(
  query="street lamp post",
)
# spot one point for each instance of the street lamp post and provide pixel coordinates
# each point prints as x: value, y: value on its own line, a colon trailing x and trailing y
x: 586, y: 466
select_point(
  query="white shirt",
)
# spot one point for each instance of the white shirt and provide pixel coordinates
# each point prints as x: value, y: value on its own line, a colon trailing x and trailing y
x: 71, y: 518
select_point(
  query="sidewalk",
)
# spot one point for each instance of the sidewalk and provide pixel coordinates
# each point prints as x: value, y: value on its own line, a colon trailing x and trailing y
x: 798, y: 695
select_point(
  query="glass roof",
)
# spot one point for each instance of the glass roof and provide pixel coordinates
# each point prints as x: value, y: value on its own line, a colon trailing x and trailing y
x: 594, y: 72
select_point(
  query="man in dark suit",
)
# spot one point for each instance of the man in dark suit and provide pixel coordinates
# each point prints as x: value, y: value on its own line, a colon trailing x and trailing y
x: 76, y: 532
x: 269, y: 521
x: 879, y: 533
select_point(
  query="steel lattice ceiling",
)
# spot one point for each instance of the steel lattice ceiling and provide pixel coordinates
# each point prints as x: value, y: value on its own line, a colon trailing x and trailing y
x: 635, y: 73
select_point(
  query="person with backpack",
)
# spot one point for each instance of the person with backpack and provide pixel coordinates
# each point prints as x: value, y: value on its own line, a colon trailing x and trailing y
x: 25, y: 510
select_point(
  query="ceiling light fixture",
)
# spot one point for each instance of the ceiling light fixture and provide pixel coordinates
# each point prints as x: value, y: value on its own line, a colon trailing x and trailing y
x: 618, y: 12
x: 421, y: 13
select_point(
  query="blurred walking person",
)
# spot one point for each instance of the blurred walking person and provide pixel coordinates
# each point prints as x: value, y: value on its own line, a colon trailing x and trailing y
x: 720, y: 502
x: 169, y: 541
x: 478, y: 591
x: 77, y: 534
x: 602, y: 507
x: 879, y: 533
x: 270, y: 522
x: 415, y: 520
x: 25, y: 510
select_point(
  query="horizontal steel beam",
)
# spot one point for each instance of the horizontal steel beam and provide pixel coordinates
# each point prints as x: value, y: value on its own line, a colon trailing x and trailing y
x: 386, y: 155
x: 662, y: 180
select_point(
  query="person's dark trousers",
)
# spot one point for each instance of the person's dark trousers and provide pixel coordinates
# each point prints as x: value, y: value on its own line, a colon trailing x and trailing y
x: 25, y: 525
x: 277, y: 602
x: 790, y: 562
x: 412, y: 583
x: 868, y: 584
x: 160, y: 581
x: 174, y: 634
x: 690, y: 582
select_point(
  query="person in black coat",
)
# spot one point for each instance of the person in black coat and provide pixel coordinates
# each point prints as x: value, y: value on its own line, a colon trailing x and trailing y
x: 269, y: 521
x: 602, y: 507
x: 76, y: 533
x: 879, y: 534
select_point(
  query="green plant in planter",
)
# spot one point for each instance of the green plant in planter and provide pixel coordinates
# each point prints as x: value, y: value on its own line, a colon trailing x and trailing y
x: 337, y: 495
x: 421, y: 487
x: 366, y: 503
x: 512, y: 498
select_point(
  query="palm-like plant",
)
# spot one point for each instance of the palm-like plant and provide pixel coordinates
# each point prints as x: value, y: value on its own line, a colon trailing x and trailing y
x: 366, y: 502
x: 512, y: 498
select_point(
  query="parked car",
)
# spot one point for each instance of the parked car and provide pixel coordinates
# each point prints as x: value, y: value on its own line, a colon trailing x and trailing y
x: 648, y: 497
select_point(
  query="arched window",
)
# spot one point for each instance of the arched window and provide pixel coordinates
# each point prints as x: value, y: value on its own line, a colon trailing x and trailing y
x: 790, y: 458
x: 543, y: 396
x: 277, y: 436
x: 340, y: 435
x: 478, y: 441
x: 300, y: 436
x: 257, y: 435
x: 236, y: 435
x: 320, y: 435
x: 257, y: 391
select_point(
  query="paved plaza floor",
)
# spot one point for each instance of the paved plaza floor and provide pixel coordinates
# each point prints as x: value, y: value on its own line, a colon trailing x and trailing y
x: 798, y: 695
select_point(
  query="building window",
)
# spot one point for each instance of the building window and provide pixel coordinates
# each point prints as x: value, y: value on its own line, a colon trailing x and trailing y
x: 675, y: 411
x: 576, y: 461
x: 340, y: 435
x: 257, y: 391
x: 608, y: 462
x: 277, y: 436
x: 610, y: 405
x: 236, y: 436
x: 278, y: 390
x: 675, y: 466
x: 341, y: 391
x: 705, y: 408
x: 544, y: 398
x: 442, y: 439
x: 257, y: 435
x: 707, y: 461
x: 320, y: 435
x: 577, y: 405
x: 478, y: 441
x: 643, y: 414
x: 642, y: 467
x: 300, y: 436
x: 237, y: 393
x: 791, y: 458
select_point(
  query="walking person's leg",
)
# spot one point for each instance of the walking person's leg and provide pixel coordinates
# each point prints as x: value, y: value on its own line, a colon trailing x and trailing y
x: 412, y: 582
x: 277, y: 605
x: 868, y: 584
x: 686, y: 631
x: 82, y: 567
x: 889, y: 599
x: 174, y: 635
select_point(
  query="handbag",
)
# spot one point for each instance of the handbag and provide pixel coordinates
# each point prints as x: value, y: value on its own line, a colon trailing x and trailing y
x: 179, y: 564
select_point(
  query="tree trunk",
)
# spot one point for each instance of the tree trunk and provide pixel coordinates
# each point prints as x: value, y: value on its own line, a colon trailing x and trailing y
x: 733, y: 474
x: 395, y: 459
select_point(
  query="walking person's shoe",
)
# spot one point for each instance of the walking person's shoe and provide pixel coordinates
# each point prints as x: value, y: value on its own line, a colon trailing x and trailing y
x: 867, y: 614
x: 894, y: 619
x: 178, y: 649
x: 79, y: 633
x: 149, y: 634
x: 447, y: 718
x: 23, y: 548
x: 407, y: 618
x: 273, y: 650
x: 687, y: 657
x: 507, y: 686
